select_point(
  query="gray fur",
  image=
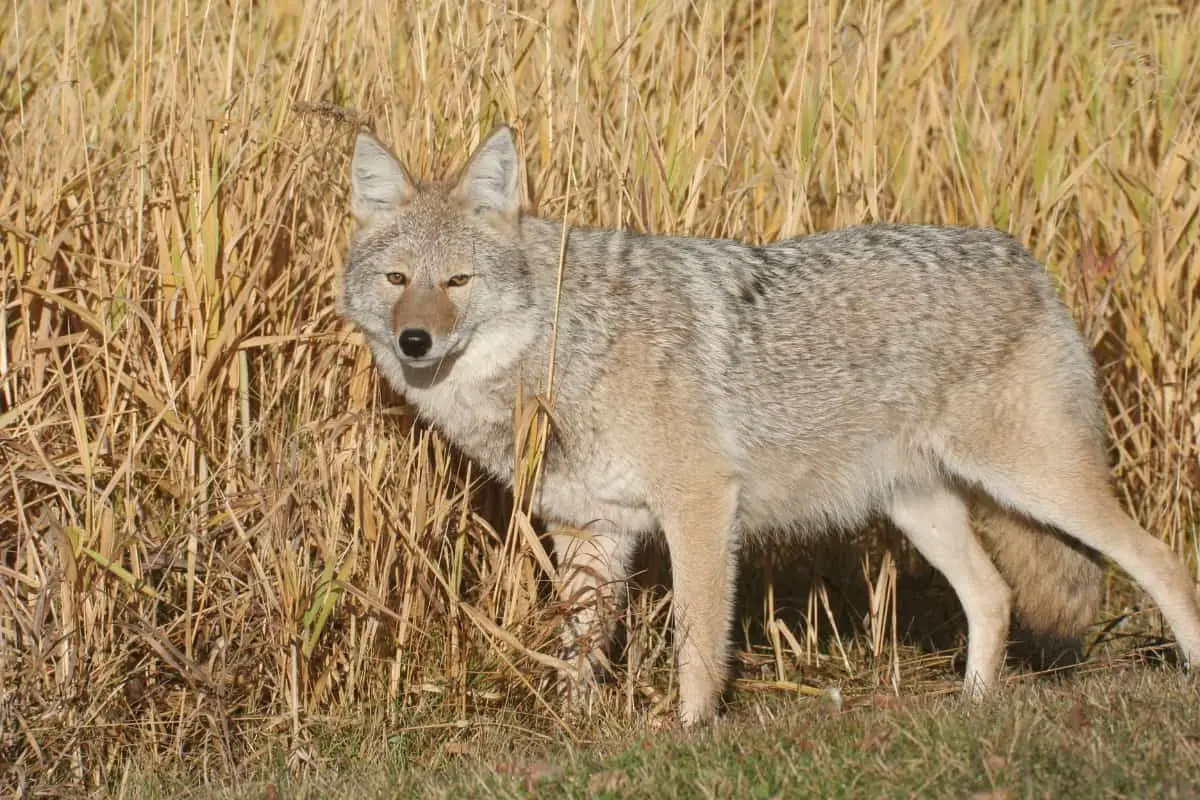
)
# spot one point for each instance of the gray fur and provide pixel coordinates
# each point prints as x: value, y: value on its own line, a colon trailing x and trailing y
x: 716, y: 391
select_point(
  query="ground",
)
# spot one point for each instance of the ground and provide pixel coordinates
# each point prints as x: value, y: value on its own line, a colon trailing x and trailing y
x: 1116, y: 732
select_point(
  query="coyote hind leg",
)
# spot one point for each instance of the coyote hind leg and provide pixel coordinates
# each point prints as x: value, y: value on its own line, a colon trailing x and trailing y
x: 937, y: 522
x: 1085, y: 508
x: 1035, y: 444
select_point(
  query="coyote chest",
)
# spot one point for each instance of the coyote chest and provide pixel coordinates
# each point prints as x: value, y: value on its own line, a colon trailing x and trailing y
x: 474, y: 419
x: 589, y: 488
x: 582, y: 483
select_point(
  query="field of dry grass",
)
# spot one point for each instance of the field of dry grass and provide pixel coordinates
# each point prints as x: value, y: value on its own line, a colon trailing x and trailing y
x: 219, y: 537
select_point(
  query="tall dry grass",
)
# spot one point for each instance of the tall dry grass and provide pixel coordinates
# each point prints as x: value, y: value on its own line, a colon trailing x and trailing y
x: 217, y: 532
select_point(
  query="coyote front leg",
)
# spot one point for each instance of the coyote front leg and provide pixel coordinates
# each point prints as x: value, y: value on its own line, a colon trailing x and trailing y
x: 700, y: 533
x: 593, y: 567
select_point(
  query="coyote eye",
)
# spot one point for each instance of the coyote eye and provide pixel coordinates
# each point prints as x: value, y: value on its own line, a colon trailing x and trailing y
x: 457, y: 280
x: 397, y: 278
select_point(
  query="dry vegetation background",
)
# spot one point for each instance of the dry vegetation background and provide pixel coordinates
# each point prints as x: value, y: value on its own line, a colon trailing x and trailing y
x: 219, y: 536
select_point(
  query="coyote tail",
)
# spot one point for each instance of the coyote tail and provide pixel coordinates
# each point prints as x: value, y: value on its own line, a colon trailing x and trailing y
x: 1057, y: 584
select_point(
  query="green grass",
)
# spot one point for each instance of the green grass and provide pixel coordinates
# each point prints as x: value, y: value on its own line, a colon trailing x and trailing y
x: 1130, y: 733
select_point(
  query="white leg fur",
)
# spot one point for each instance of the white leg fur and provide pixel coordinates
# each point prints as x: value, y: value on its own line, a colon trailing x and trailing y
x: 593, y: 568
x: 937, y: 522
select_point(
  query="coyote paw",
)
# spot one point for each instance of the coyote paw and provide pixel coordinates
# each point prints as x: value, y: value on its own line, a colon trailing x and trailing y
x: 578, y: 685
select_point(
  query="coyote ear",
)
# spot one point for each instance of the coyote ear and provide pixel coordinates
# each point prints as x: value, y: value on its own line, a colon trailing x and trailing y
x: 378, y: 183
x: 490, y: 181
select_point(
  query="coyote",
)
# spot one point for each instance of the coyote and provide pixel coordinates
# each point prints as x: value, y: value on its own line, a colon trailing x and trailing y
x: 716, y: 392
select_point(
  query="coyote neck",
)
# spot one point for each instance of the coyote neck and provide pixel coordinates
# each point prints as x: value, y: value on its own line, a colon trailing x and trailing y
x: 476, y: 404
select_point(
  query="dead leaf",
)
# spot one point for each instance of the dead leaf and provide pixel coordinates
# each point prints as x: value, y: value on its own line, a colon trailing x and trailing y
x: 994, y: 763
x: 135, y: 690
x: 887, y: 702
x: 991, y: 794
x: 271, y: 793
x: 1076, y: 718
x: 610, y: 780
x: 875, y: 740
x: 539, y: 772
x: 1192, y: 475
x: 534, y: 772
x: 1094, y: 267
x: 458, y: 748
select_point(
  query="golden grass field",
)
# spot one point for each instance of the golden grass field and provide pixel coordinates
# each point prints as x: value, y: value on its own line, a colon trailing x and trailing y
x: 219, y: 536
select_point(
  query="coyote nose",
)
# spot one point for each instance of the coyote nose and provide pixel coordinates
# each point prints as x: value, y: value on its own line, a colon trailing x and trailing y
x: 415, y: 342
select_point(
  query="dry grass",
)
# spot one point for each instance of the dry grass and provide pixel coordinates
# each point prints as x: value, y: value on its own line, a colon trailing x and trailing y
x: 217, y: 534
x: 1084, y: 738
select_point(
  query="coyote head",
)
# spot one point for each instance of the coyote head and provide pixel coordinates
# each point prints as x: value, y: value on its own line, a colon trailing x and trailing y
x: 434, y: 267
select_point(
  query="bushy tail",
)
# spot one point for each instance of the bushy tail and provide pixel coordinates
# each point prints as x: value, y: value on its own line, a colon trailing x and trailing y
x: 1056, y: 582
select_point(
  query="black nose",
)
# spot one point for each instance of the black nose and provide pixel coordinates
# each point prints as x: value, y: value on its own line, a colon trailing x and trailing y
x: 415, y: 342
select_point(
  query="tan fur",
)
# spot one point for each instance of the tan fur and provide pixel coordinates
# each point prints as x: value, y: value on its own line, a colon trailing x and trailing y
x: 428, y: 308
x: 1056, y: 583
x: 712, y: 392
